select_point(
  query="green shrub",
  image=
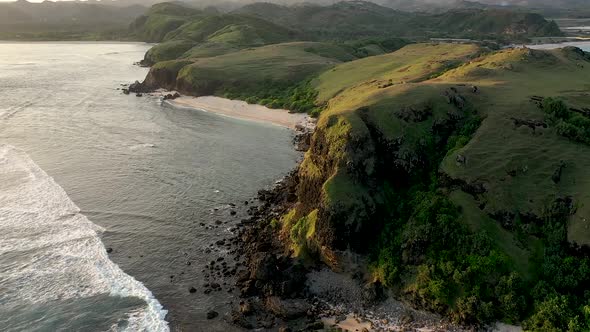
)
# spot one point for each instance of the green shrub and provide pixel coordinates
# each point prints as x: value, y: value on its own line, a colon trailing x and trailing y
x: 556, y: 108
x: 300, y: 97
x: 568, y: 124
x: 553, y: 314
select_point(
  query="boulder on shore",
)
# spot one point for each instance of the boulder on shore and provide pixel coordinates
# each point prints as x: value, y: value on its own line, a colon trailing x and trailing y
x: 171, y: 96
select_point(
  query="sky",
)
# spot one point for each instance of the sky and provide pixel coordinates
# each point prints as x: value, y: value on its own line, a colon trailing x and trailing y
x: 431, y: 1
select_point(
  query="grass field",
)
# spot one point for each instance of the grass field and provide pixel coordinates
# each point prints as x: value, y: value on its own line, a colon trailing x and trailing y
x: 517, y: 163
x: 410, y: 64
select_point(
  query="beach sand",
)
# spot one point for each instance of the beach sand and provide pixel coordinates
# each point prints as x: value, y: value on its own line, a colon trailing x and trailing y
x: 242, y: 110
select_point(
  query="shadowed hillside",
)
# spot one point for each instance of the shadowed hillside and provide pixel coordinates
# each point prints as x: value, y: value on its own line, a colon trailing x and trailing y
x: 354, y: 19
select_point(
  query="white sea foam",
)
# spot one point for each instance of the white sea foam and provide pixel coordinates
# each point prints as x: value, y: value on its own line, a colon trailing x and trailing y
x: 51, y: 251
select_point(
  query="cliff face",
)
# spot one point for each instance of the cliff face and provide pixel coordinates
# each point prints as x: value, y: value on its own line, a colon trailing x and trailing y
x: 355, y: 165
x: 337, y: 154
x: 164, y: 75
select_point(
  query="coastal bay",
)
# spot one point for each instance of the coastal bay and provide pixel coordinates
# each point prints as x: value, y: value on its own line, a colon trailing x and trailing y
x: 156, y: 178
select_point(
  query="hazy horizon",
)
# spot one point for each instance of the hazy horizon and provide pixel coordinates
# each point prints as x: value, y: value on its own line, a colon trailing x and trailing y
x: 148, y: 3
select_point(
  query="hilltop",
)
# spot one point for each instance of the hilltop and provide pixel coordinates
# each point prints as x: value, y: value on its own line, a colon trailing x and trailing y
x: 191, y: 33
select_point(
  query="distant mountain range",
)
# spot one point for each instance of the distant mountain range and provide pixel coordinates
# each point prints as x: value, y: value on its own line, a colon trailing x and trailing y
x: 105, y: 7
x: 77, y: 13
x: 90, y: 19
x: 412, y: 5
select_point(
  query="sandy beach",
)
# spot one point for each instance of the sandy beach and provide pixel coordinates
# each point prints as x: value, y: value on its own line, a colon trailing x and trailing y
x: 242, y: 110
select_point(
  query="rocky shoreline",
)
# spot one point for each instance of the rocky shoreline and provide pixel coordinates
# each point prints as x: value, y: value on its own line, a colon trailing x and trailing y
x: 280, y: 293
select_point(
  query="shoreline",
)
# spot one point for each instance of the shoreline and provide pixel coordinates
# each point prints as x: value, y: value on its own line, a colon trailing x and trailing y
x: 277, y: 292
x: 238, y: 109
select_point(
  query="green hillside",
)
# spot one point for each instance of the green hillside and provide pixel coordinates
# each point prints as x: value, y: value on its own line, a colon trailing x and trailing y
x: 474, y: 192
x: 368, y: 28
x: 196, y: 36
x: 476, y: 22
x: 343, y: 20
x: 162, y: 19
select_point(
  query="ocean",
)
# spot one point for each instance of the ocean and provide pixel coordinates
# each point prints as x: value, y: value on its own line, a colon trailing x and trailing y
x: 583, y: 45
x: 84, y: 168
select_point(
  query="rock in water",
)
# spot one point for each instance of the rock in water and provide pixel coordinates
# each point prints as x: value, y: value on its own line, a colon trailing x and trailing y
x: 192, y: 290
x: 136, y: 87
x: 212, y: 314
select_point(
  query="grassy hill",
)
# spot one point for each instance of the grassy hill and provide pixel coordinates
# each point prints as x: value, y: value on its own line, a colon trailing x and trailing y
x: 194, y: 34
x: 161, y: 19
x: 343, y: 20
x: 185, y: 33
x: 473, y: 187
x: 254, y: 73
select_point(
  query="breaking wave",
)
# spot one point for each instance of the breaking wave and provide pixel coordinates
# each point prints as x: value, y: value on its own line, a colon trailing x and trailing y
x: 51, y: 255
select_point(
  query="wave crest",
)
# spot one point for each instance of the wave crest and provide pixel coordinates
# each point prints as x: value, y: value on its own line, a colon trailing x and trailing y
x: 52, y: 252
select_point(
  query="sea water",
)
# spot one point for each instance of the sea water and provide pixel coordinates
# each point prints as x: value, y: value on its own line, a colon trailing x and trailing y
x: 84, y: 167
